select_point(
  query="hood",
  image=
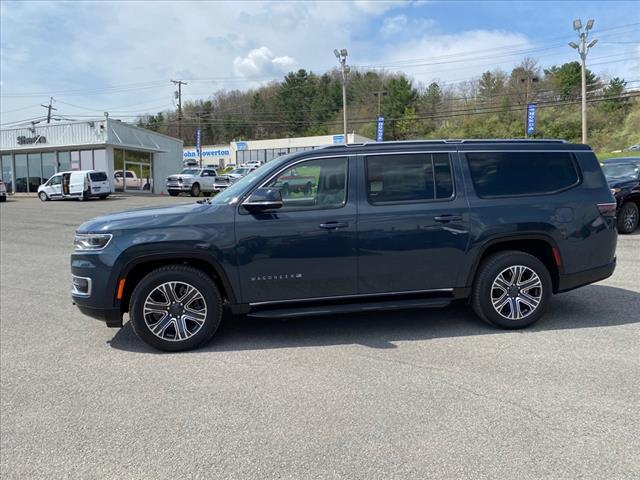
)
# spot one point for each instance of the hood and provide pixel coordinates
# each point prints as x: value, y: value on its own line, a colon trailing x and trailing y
x: 622, y: 182
x: 157, y: 217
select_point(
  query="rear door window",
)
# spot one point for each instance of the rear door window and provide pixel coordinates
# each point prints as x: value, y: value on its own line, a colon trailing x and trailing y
x: 500, y: 174
x: 411, y: 177
x: 98, y: 176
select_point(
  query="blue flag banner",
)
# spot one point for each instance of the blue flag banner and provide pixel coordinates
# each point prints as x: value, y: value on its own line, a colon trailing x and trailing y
x: 380, y: 134
x: 531, y: 118
x: 198, y: 141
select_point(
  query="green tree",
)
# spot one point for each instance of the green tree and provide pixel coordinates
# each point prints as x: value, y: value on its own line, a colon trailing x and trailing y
x: 567, y: 79
x: 612, y: 93
x: 401, y: 95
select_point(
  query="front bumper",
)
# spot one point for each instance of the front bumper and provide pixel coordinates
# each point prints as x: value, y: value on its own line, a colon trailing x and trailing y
x: 111, y: 316
x: 570, y: 281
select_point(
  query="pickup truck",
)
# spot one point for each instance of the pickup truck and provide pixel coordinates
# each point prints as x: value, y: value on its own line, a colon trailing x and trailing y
x: 296, y: 183
x: 195, y: 181
x: 131, y: 181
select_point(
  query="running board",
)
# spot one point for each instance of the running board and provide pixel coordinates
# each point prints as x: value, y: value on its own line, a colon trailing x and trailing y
x: 300, y: 311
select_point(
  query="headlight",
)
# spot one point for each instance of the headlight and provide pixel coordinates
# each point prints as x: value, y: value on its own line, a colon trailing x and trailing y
x: 91, y: 241
x: 615, y: 190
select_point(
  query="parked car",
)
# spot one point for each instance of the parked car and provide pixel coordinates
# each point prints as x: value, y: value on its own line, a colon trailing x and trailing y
x: 3, y: 192
x: 623, y: 176
x: 633, y: 148
x: 195, y: 181
x: 131, y: 181
x: 238, y: 173
x: 296, y: 183
x: 79, y: 184
x: 502, y: 224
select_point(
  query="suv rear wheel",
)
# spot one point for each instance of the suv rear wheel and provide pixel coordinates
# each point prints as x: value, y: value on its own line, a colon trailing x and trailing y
x: 628, y: 218
x: 511, y: 289
x: 175, y: 308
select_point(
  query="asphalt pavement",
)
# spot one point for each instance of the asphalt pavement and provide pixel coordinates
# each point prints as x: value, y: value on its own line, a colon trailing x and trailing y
x: 416, y: 394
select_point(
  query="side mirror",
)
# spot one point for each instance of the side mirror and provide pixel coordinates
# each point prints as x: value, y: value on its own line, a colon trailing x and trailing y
x: 263, y: 199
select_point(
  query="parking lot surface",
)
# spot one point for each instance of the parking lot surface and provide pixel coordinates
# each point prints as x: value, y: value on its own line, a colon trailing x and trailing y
x: 415, y: 394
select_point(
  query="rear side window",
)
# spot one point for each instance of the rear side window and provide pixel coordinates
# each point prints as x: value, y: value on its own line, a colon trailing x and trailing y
x: 408, y: 178
x: 98, y: 176
x: 500, y: 174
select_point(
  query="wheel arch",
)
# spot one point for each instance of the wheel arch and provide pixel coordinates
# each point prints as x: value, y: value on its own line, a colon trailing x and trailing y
x: 136, y: 269
x: 540, y: 246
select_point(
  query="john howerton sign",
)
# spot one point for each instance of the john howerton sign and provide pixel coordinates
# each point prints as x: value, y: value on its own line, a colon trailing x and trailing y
x: 22, y: 140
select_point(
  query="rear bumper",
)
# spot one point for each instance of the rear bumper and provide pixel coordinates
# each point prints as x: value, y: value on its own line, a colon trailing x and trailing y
x: 568, y: 282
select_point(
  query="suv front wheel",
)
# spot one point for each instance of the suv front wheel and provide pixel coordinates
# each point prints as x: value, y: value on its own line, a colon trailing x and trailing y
x: 175, y: 308
x: 628, y: 217
x: 511, y: 289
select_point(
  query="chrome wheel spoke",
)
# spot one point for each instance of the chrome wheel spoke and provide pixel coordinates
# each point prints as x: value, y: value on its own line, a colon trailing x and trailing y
x: 516, y: 292
x: 175, y: 311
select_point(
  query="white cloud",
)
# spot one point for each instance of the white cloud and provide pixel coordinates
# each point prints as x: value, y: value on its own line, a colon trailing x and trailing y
x: 261, y: 62
x: 394, y: 25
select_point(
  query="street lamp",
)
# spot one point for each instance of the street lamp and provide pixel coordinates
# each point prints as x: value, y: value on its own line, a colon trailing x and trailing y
x: 583, y: 49
x: 342, y: 60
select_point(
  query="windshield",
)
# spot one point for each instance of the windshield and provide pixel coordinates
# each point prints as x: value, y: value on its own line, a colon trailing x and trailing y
x: 190, y: 171
x: 231, y: 194
x: 620, y: 170
x: 240, y: 171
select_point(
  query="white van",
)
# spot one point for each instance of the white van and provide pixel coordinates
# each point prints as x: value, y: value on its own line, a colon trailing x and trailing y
x: 80, y: 184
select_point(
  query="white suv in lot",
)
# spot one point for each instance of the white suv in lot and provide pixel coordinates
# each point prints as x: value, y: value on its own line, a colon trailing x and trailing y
x: 195, y: 181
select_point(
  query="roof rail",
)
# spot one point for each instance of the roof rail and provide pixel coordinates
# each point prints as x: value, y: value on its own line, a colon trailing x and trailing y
x: 451, y: 141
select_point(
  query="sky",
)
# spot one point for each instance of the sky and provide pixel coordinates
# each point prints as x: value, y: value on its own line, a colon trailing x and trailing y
x: 119, y: 56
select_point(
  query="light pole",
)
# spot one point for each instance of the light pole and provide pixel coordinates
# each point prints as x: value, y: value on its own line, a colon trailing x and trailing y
x: 342, y: 60
x: 583, y: 48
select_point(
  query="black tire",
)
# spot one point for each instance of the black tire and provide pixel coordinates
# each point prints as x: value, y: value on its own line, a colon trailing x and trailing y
x: 285, y: 190
x: 195, y: 190
x: 174, y: 193
x: 185, y: 275
x: 627, y: 220
x: 484, y: 293
x: 43, y: 197
x: 307, y: 188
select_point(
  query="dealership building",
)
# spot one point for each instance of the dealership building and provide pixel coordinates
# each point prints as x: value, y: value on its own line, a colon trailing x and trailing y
x: 134, y: 158
x: 262, y: 151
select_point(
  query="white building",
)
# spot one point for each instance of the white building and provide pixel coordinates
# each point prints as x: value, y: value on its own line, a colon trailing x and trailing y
x: 262, y: 151
x: 30, y: 155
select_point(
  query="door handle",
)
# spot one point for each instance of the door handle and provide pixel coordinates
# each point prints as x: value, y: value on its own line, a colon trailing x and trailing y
x: 447, y: 217
x: 333, y: 225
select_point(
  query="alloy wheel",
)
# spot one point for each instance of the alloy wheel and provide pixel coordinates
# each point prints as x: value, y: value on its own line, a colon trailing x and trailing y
x: 516, y: 292
x: 630, y: 218
x: 175, y: 311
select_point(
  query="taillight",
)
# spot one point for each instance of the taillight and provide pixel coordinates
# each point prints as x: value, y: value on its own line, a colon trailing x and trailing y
x: 607, y: 209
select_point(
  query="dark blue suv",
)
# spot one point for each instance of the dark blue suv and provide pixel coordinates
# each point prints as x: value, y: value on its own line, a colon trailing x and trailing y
x: 502, y: 223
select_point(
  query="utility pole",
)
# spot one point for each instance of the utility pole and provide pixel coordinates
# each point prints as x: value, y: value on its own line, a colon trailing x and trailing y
x: 380, y: 93
x: 342, y: 60
x: 49, y: 108
x: 583, y: 48
x: 178, y: 95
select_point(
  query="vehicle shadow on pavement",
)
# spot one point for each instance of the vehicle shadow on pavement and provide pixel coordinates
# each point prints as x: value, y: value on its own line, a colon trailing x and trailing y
x: 591, y: 306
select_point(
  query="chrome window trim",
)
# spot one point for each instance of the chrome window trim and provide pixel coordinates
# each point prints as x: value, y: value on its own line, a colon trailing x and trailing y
x: 358, y: 295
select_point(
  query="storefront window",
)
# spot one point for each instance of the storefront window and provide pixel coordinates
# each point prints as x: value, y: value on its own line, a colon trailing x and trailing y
x: 86, y: 160
x: 75, y: 160
x: 7, y: 177
x: 100, y: 160
x: 35, y: 171
x: 64, y: 161
x: 118, y: 168
x: 48, y: 165
x: 21, y: 172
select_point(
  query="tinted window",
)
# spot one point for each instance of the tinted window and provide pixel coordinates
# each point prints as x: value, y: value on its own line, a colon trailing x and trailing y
x: 55, y: 180
x: 408, y: 178
x: 316, y: 184
x: 98, y: 176
x: 498, y: 174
